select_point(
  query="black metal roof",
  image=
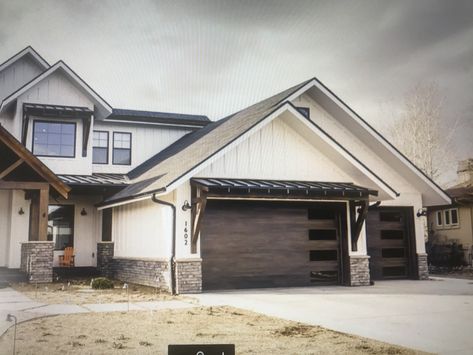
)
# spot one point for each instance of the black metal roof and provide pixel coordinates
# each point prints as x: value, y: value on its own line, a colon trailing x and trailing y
x: 95, y: 180
x: 283, y: 187
x: 158, y: 117
x: 57, y: 110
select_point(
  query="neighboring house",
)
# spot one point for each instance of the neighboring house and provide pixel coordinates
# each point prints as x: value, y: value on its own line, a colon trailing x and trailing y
x: 454, y: 223
x: 295, y: 190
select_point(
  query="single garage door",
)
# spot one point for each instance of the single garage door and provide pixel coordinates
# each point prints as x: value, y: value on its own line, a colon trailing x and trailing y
x: 390, y: 242
x: 247, y: 244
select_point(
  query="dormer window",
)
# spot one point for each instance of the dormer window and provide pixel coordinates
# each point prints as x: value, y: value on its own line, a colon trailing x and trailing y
x: 54, y: 139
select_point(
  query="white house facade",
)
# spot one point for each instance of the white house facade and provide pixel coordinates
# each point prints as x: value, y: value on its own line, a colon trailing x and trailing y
x: 296, y: 190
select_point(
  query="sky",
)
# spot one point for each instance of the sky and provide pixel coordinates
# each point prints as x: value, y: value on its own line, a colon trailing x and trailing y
x: 216, y: 57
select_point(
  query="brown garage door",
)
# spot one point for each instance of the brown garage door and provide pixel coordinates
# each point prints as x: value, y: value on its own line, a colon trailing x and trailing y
x: 390, y: 242
x: 269, y: 244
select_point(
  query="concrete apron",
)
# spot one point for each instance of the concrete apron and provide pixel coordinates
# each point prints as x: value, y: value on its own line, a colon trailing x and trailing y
x: 434, y: 316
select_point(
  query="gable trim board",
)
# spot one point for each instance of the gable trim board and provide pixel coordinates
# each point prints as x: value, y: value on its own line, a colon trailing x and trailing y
x: 279, y: 110
x: 27, y: 51
x: 59, y: 65
x: 373, y: 132
x: 32, y: 161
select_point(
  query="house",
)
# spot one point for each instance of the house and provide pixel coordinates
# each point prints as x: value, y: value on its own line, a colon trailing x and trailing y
x: 295, y: 190
x: 453, y: 223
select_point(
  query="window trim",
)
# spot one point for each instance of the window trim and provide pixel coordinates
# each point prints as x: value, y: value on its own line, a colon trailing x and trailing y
x: 108, y: 147
x: 54, y: 156
x: 113, y: 147
x: 451, y: 224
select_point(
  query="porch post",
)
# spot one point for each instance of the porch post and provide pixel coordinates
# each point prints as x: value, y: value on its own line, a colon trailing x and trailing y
x: 39, y: 214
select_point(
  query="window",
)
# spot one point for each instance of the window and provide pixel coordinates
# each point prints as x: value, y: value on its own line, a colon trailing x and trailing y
x: 121, y: 148
x: 54, y: 139
x: 304, y: 110
x: 439, y: 218
x: 100, y: 148
x: 61, y: 226
x: 448, y: 218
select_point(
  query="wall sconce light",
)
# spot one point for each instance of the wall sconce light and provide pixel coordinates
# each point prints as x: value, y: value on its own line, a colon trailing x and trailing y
x: 83, y: 212
x: 421, y: 212
x: 186, y: 206
x: 20, y: 211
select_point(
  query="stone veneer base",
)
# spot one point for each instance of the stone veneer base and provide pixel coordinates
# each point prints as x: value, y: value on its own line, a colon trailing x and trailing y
x: 154, y: 273
x: 189, y: 275
x: 105, y: 258
x: 422, y: 267
x: 37, y: 261
x: 359, y: 270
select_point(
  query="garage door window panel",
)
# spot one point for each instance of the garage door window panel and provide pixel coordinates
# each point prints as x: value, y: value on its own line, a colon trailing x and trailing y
x: 322, y: 234
x: 390, y: 216
x: 391, y: 234
x: 393, y: 253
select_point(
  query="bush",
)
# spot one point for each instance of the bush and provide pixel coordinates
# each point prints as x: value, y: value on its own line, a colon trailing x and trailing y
x: 101, y: 283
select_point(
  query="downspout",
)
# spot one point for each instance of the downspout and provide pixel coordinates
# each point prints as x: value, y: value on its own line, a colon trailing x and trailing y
x: 173, y: 248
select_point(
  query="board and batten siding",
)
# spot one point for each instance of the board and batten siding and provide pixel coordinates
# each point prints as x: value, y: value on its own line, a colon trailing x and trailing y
x: 276, y: 152
x: 18, y: 74
x: 142, y: 230
x: 409, y: 195
x: 5, y: 215
x: 147, y: 140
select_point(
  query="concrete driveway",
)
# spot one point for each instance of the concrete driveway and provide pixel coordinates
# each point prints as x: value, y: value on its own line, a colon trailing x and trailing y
x: 434, y: 315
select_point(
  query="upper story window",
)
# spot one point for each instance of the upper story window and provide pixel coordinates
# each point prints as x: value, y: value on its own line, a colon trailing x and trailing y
x: 100, y: 147
x: 54, y: 139
x: 121, y: 148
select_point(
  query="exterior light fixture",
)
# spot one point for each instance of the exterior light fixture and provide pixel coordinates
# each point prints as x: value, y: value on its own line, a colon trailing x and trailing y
x: 421, y: 212
x: 83, y: 212
x: 20, y: 211
x: 186, y: 206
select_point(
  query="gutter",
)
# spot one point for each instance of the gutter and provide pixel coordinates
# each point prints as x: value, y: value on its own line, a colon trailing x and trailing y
x: 172, y: 261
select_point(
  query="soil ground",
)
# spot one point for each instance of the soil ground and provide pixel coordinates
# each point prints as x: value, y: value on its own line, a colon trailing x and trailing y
x: 152, y: 332
x: 78, y: 291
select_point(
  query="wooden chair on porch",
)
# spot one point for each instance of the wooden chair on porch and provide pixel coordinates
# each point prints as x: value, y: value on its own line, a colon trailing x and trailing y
x: 67, y: 260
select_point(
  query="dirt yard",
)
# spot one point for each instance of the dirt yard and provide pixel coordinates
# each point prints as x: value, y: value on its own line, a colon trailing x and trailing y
x: 78, y: 291
x: 151, y: 332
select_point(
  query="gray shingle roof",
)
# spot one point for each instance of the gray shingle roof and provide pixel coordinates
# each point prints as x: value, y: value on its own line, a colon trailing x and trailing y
x: 194, y: 148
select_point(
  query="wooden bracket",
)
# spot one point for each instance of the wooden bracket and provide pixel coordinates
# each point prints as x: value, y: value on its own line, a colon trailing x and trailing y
x: 357, y: 225
x: 198, y: 210
x: 86, y: 123
x: 11, y: 168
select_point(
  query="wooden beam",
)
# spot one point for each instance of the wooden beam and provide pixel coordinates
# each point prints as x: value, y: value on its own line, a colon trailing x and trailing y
x: 197, y: 221
x: 356, y: 229
x: 43, y: 214
x: 23, y: 185
x: 11, y: 168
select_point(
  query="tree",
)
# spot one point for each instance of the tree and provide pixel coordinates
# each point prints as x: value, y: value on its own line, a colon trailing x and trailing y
x: 419, y: 133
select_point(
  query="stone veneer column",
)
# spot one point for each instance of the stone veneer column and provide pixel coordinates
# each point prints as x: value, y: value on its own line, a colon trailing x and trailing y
x: 37, y: 260
x: 359, y: 270
x: 105, y: 258
x: 422, y: 267
x: 189, y: 275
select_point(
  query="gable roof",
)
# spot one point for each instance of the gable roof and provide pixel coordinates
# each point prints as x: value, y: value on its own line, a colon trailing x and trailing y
x: 26, y: 51
x: 33, y: 162
x: 187, y: 154
x: 60, y: 65
x: 163, y: 118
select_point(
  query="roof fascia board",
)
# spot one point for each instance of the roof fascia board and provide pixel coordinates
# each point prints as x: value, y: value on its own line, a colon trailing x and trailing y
x: 125, y: 202
x: 349, y: 111
x: 28, y: 50
x: 70, y: 72
x: 173, y: 125
x: 264, y: 121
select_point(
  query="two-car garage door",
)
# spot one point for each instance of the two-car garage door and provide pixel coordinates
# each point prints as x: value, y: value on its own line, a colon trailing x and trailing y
x: 247, y: 244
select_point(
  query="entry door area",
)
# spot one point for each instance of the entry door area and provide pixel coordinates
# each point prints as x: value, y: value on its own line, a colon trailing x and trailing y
x: 390, y: 240
x: 250, y: 244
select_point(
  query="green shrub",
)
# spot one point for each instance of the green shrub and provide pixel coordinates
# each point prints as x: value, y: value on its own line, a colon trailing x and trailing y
x: 101, y: 283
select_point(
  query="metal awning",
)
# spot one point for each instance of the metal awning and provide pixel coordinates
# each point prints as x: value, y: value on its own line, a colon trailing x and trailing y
x: 57, y: 110
x: 282, y: 188
x: 95, y: 180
